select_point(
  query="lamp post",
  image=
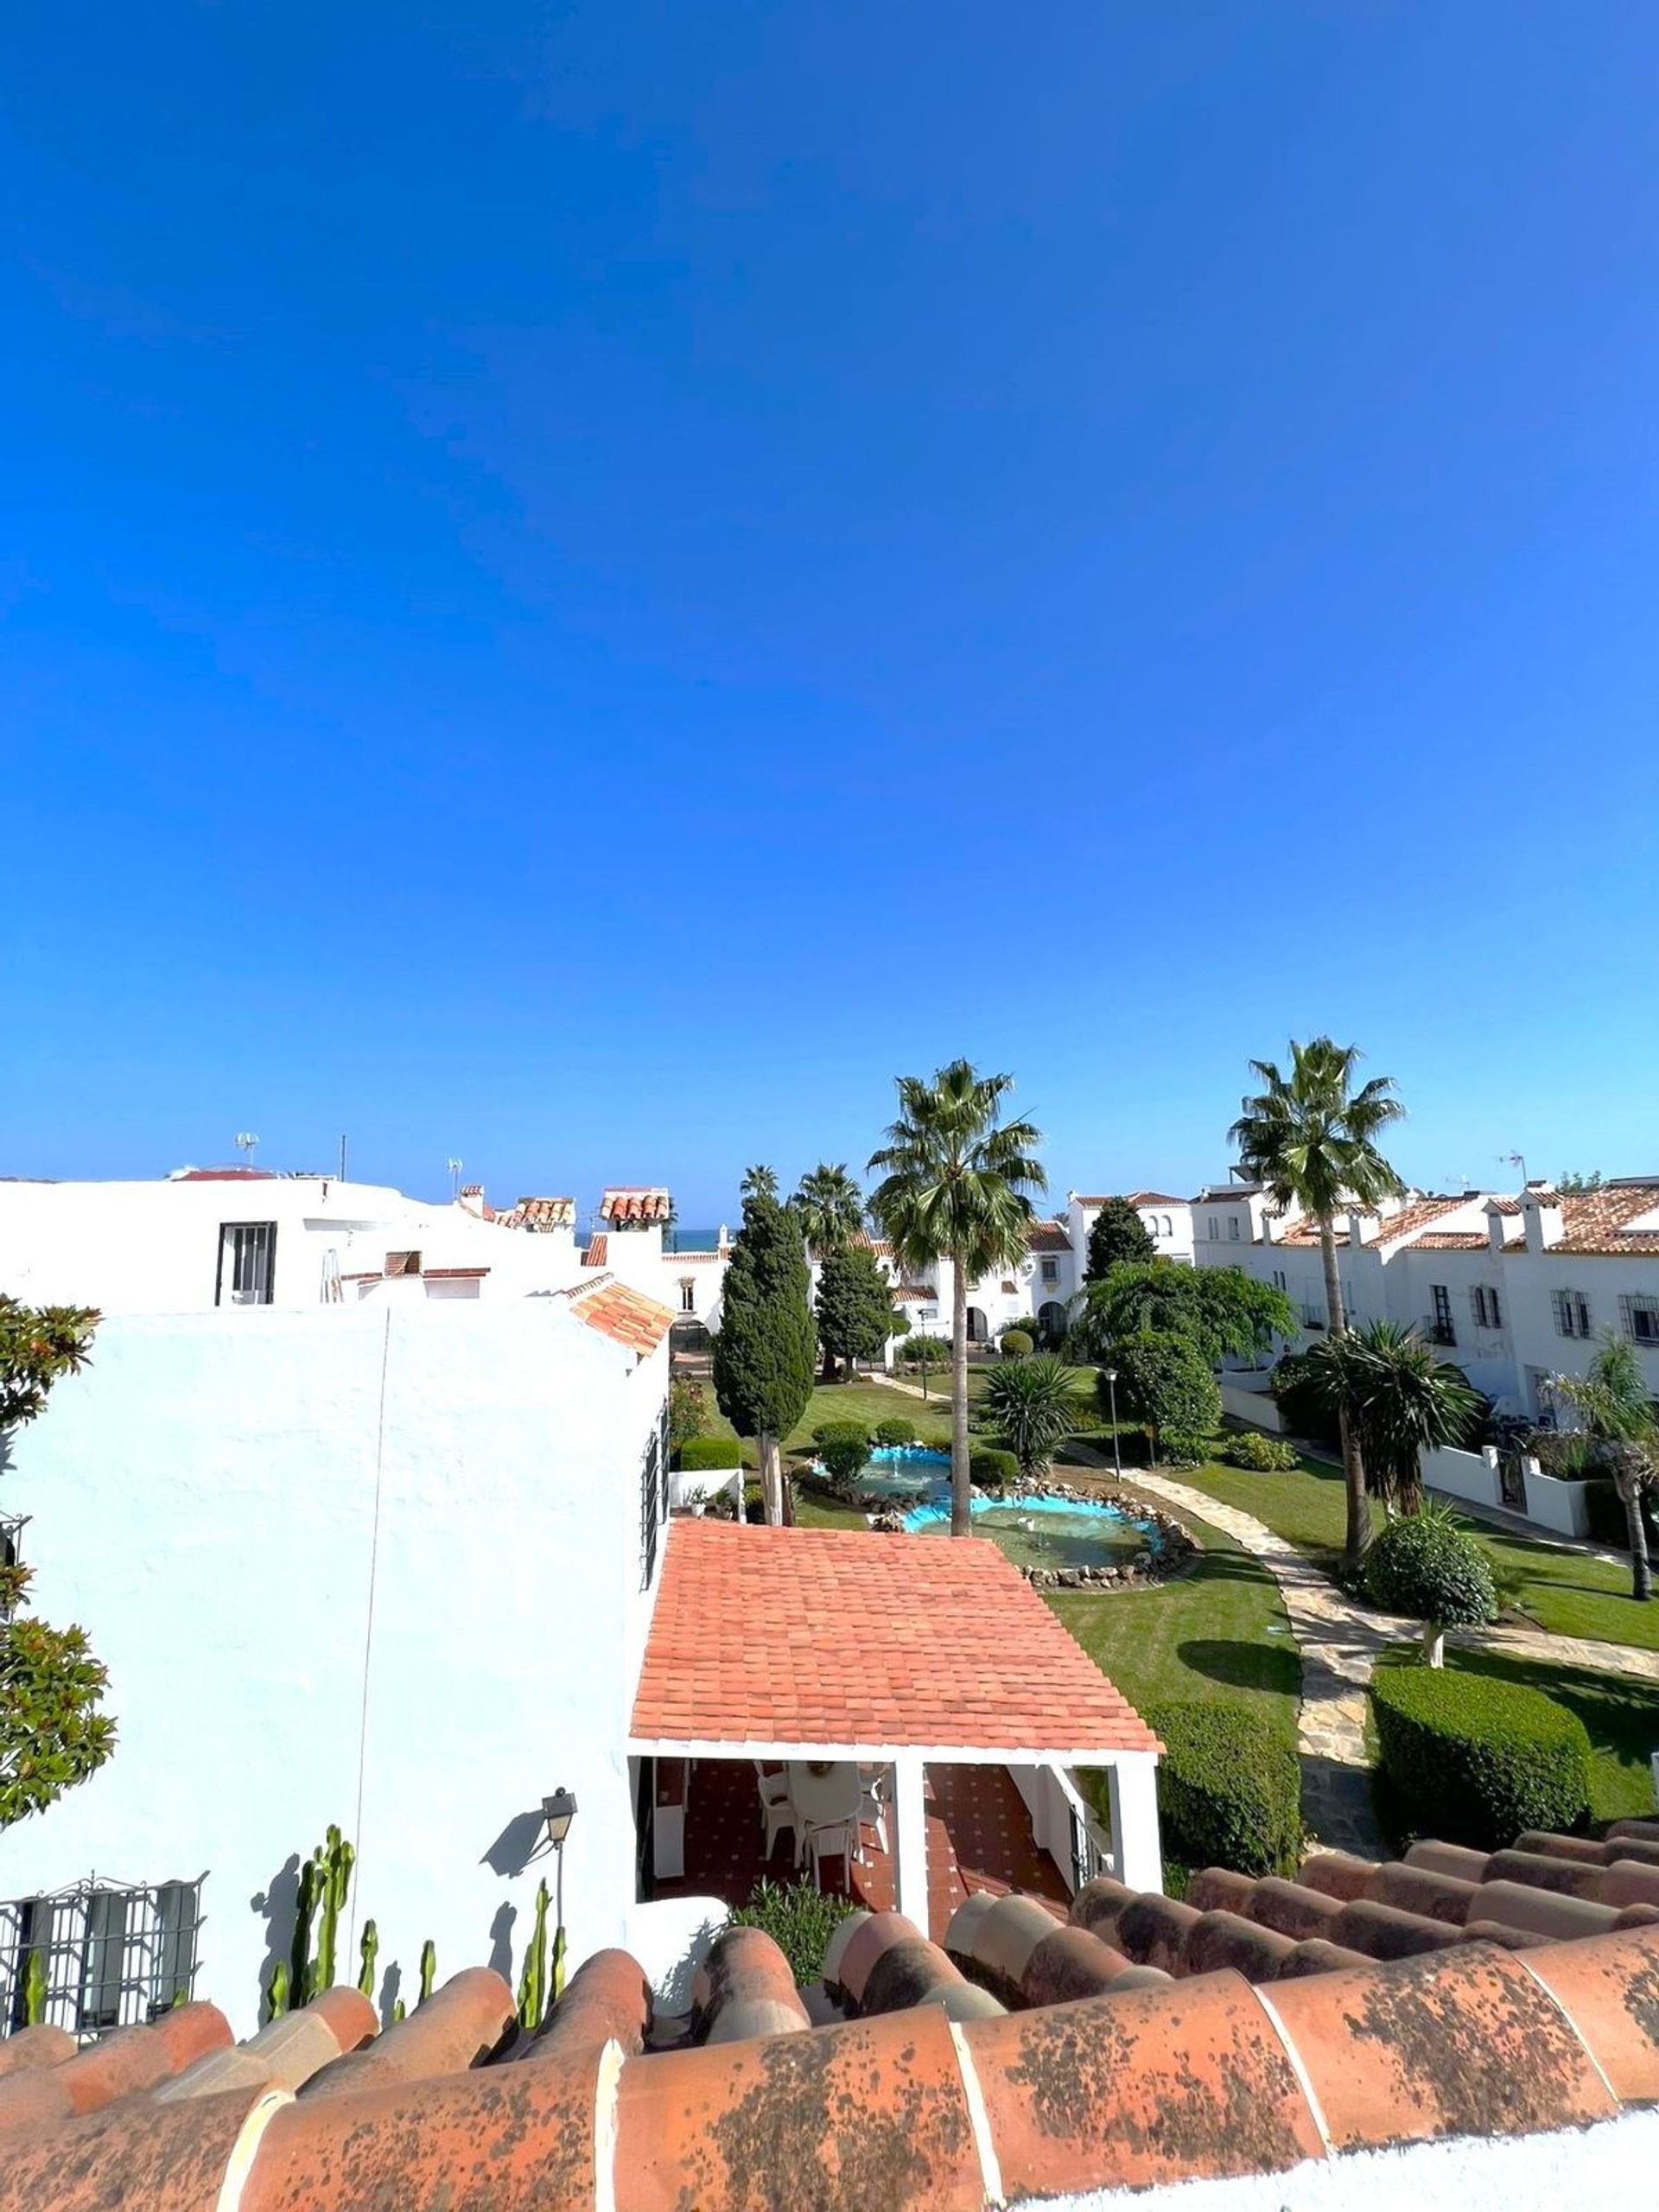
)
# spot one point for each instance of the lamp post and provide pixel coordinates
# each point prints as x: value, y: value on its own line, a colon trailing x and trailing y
x: 1111, y: 1392
x: 558, y: 1811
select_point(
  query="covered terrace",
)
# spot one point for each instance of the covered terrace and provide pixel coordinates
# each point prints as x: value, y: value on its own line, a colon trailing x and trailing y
x: 784, y: 1647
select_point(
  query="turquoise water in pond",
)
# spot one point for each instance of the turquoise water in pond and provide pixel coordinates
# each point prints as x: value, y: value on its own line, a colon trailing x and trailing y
x: 1033, y: 1532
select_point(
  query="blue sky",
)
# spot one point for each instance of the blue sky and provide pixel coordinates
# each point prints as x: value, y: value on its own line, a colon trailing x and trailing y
x: 584, y: 585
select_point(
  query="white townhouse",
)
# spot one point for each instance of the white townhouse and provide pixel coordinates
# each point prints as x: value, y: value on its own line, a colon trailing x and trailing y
x: 1516, y: 1287
x: 1039, y: 1288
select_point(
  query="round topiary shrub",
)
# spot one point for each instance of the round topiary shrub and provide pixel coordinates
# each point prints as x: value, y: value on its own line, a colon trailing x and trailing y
x: 989, y: 1470
x: 699, y: 1453
x: 1230, y: 1788
x: 1428, y: 1566
x: 842, y: 1446
x: 1016, y: 1343
x: 1476, y: 1761
x: 1263, y: 1455
x: 1163, y: 1382
x: 894, y: 1435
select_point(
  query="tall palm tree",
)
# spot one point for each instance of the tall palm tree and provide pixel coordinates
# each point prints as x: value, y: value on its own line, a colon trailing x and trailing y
x: 1612, y: 1402
x: 759, y: 1183
x: 1311, y: 1140
x: 1400, y: 1400
x: 829, y: 1207
x: 956, y: 1181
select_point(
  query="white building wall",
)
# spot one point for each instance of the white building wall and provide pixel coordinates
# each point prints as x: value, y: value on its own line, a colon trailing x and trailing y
x: 375, y: 1567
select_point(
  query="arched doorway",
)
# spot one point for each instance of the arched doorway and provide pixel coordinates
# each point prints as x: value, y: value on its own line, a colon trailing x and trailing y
x: 979, y: 1330
x: 1051, y: 1321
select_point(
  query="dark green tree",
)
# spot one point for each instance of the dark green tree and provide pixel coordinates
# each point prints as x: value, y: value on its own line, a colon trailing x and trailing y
x: 759, y: 1182
x: 1612, y: 1403
x: 765, y: 1347
x: 1311, y: 1139
x: 1225, y: 1314
x: 1116, y: 1234
x: 1165, y: 1384
x: 52, y: 1735
x: 1399, y: 1399
x: 853, y: 1306
x: 829, y: 1207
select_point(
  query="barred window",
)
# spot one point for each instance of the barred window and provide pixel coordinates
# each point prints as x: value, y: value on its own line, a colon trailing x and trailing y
x: 654, y: 1499
x: 110, y: 1955
x: 1484, y: 1301
x: 1640, y: 1317
x: 1572, y: 1313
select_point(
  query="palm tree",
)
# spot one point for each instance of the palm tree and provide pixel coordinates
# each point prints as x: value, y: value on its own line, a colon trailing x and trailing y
x: 1400, y: 1401
x: 955, y: 1188
x: 1612, y: 1402
x: 1031, y: 1403
x: 759, y: 1183
x: 829, y: 1207
x: 1311, y: 1139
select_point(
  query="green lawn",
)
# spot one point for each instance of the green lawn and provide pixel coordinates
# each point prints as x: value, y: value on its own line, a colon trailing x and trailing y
x: 1619, y: 1713
x: 1220, y: 1632
x: 869, y: 1402
x: 1564, y: 1592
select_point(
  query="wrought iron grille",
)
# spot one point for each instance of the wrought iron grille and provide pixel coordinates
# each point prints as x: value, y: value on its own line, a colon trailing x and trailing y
x: 111, y: 1955
x: 653, y: 1502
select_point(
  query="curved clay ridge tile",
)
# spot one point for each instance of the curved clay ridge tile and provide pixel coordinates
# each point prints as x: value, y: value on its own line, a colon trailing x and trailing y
x: 130, y: 2059
x: 608, y: 2000
x: 459, y: 2025
x: 33, y: 2047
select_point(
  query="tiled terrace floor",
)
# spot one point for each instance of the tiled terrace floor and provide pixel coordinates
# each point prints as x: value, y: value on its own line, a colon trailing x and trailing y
x: 978, y: 1837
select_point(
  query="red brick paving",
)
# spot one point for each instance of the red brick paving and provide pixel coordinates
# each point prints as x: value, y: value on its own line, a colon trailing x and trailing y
x: 978, y: 1837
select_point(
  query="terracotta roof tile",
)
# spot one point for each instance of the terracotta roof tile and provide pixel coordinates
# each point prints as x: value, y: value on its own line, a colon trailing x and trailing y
x: 630, y: 1202
x: 869, y: 1639
x: 594, y: 1253
x: 1404, y: 1223
x: 624, y: 1315
x: 1598, y: 1222
x: 912, y: 1293
x: 1106, y: 2075
x: 1048, y: 1236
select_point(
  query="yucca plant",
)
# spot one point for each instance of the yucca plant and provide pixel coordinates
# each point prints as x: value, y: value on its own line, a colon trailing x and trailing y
x: 1029, y: 1405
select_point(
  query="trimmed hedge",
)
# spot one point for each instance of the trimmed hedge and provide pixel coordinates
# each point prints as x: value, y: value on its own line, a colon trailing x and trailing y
x: 1016, y: 1343
x: 699, y: 1453
x: 989, y: 1470
x: 1476, y: 1761
x: 1230, y: 1788
x: 890, y: 1435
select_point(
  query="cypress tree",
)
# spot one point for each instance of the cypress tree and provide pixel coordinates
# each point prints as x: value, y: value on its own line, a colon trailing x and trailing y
x: 765, y: 1344
x: 855, y: 1308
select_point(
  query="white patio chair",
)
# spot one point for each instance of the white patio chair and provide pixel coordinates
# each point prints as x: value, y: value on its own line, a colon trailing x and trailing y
x: 835, y: 1840
x: 873, y: 1806
x: 777, y: 1812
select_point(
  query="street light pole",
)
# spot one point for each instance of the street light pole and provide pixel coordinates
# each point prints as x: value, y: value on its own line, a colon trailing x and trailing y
x: 1117, y: 1456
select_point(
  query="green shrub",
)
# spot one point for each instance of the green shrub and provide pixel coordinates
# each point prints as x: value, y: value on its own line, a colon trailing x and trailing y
x: 800, y: 1920
x: 1183, y: 1450
x: 925, y: 1351
x: 1476, y: 1761
x: 1228, y: 1788
x: 989, y: 1470
x: 688, y: 1410
x: 1605, y: 1523
x: 698, y: 1452
x: 936, y: 1443
x: 894, y: 1435
x: 843, y: 1448
x: 1264, y: 1455
x: 1428, y: 1566
x: 1304, y: 1410
x: 1016, y: 1343
x: 1165, y: 1384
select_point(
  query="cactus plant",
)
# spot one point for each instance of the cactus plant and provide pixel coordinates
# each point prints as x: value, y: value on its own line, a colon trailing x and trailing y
x: 428, y: 1967
x: 558, y: 1962
x: 335, y: 1858
x: 532, y: 1982
x: 368, y: 1951
x: 299, y: 1954
x: 34, y: 1990
x: 276, y: 1992
x: 398, y: 2015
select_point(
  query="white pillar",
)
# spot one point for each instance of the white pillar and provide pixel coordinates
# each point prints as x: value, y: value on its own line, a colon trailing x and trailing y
x: 1132, y: 1785
x: 910, y: 1838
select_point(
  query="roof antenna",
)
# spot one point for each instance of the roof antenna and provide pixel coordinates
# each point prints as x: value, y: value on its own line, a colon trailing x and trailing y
x: 1515, y: 1159
x: 245, y: 1144
x: 342, y: 1159
x: 454, y: 1168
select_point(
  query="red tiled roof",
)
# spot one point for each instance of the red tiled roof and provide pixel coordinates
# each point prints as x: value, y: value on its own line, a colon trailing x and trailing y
x: 1595, y: 1222
x: 624, y: 1315
x: 1451, y: 1240
x: 453, y: 1274
x: 635, y: 1202
x: 839, y: 1636
x: 1154, y: 1198
x: 537, y: 1214
x: 593, y: 1252
x: 1025, y: 2057
x: 876, y: 1244
x: 1406, y: 1222
x: 914, y: 1293
x: 1048, y: 1236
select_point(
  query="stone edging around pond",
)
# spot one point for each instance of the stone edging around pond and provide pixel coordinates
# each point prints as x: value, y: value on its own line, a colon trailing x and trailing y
x: 1177, y: 1554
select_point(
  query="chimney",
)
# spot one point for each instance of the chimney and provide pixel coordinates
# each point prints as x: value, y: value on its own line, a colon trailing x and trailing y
x: 1360, y: 1226
x: 1540, y: 1212
x: 1495, y: 1219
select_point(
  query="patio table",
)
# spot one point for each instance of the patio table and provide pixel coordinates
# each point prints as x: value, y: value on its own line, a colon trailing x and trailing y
x: 823, y: 1799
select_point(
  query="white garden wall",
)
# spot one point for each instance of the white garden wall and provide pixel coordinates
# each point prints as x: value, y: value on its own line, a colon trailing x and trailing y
x: 381, y: 1567
x: 1553, y: 1504
x: 1245, y: 1399
x: 1469, y: 1475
